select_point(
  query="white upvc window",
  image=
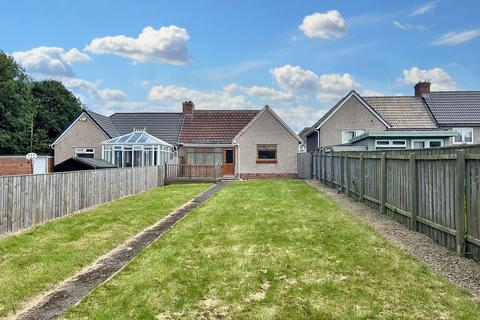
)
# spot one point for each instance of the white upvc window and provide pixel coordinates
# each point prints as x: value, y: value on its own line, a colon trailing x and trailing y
x: 85, y: 152
x: 348, y: 135
x: 422, y: 144
x: 464, y: 135
x: 390, y: 144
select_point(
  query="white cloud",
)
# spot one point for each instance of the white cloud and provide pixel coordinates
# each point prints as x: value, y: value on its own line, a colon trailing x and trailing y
x: 112, y: 94
x: 407, y: 26
x: 335, y: 86
x: 203, y: 100
x: 327, y: 87
x: 440, y: 80
x: 50, y: 61
x: 165, y: 45
x: 263, y: 93
x: 326, y: 25
x: 293, y: 78
x: 299, y: 117
x: 455, y: 38
x: 424, y: 8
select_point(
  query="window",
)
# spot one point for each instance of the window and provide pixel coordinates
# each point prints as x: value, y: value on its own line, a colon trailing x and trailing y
x: 84, y: 152
x: 422, y: 144
x: 390, y: 144
x: 464, y: 135
x: 435, y: 144
x: 205, y: 156
x: 348, y: 135
x: 267, y: 153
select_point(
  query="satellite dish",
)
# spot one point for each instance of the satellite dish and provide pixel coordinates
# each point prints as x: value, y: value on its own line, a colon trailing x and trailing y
x: 31, y: 155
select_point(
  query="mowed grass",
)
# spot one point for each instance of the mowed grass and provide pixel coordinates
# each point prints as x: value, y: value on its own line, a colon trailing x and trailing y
x: 38, y: 259
x: 274, y: 250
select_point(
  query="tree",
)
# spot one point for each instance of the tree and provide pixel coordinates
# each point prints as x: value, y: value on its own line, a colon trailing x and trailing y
x: 55, y: 108
x: 16, y: 107
x: 32, y: 113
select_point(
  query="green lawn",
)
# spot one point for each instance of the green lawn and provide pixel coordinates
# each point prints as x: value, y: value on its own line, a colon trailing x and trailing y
x: 274, y: 250
x: 36, y: 260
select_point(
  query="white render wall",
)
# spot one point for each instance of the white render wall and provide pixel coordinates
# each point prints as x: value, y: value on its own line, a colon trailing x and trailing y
x: 267, y: 130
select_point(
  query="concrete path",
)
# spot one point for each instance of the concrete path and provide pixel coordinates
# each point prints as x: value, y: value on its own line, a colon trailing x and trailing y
x: 71, y: 291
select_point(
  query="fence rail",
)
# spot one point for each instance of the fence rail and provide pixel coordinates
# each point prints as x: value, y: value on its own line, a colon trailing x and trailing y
x: 433, y: 191
x: 32, y: 199
x: 185, y: 172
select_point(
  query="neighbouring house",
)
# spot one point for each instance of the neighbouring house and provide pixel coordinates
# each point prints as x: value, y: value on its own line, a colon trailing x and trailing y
x: 78, y: 164
x: 303, y: 135
x: 90, y: 133
x: 19, y: 165
x: 458, y: 111
x: 402, y: 122
x: 246, y: 143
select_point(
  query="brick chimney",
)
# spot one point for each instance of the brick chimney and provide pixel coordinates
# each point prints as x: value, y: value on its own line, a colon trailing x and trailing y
x: 421, y: 88
x: 188, y: 107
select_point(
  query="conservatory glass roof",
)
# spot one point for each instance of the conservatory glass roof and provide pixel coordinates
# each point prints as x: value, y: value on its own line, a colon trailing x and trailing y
x: 136, y: 137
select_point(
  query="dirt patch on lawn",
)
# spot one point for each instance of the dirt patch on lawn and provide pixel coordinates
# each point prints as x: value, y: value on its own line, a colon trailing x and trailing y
x: 54, y: 303
x: 462, y: 271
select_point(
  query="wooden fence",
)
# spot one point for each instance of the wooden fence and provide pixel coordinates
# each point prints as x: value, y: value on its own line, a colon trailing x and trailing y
x: 31, y: 199
x: 186, y: 172
x: 433, y: 191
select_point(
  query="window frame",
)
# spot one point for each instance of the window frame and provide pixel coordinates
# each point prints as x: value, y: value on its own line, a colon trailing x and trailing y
x: 462, y: 129
x: 84, y: 150
x: 390, y: 144
x: 426, y: 143
x: 269, y: 147
x: 356, y: 133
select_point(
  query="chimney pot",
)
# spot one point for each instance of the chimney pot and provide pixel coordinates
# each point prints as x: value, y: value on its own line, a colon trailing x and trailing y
x: 421, y: 88
x: 188, y: 107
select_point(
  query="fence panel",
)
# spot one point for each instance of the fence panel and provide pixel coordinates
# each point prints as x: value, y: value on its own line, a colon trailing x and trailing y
x: 473, y: 207
x: 433, y: 191
x: 32, y: 199
x: 304, y: 165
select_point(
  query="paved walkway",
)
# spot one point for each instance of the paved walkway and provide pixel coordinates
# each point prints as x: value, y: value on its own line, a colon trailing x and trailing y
x: 71, y: 291
x: 461, y: 271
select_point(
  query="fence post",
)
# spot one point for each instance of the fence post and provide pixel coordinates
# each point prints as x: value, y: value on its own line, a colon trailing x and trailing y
x: 362, y: 178
x: 165, y: 171
x: 319, y: 165
x: 331, y: 169
x: 460, y: 202
x: 342, y: 173
x: 413, y: 191
x: 383, y: 182
x: 347, y: 168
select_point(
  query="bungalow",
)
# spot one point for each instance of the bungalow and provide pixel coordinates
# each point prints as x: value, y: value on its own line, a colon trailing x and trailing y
x: 246, y: 143
x: 425, y: 120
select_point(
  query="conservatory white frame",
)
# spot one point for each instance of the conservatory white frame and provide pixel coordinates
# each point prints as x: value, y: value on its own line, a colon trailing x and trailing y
x: 137, y: 149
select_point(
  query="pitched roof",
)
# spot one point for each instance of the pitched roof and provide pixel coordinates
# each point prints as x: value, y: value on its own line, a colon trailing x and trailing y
x: 105, y: 123
x: 214, y: 126
x: 163, y: 125
x: 454, y: 107
x: 304, y: 132
x: 408, y: 112
x: 337, y: 106
x: 94, y: 163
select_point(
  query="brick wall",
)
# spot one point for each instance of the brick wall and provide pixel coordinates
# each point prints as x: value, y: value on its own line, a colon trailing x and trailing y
x: 18, y: 165
x: 268, y: 175
x: 14, y: 166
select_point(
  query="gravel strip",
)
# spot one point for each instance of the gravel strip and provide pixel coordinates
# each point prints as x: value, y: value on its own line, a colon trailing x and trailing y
x: 462, y: 271
x: 71, y: 291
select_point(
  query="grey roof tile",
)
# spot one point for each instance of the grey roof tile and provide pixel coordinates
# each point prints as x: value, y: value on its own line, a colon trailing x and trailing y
x: 454, y: 107
x: 402, y: 112
x: 105, y: 123
x: 163, y: 125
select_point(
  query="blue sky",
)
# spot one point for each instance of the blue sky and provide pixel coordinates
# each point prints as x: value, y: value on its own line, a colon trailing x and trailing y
x: 300, y: 57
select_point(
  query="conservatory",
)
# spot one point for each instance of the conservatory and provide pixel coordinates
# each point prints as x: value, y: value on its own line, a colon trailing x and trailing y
x: 137, y: 149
